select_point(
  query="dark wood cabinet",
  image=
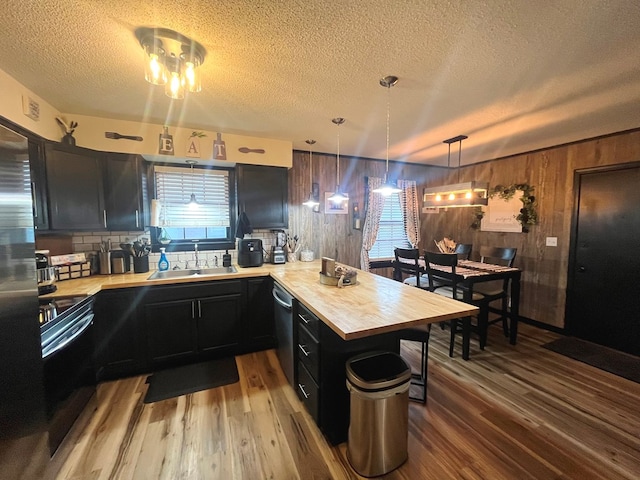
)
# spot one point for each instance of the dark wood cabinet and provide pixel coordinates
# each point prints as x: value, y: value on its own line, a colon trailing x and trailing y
x: 191, y: 321
x: 119, y: 337
x: 260, y: 328
x: 263, y: 195
x: 38, y: 185
x: 125, y: 192
x: 75, y: 188
x: 90, y: 190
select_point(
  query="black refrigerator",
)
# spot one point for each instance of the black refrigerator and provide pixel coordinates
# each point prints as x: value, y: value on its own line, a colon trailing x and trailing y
x: 24, y: 449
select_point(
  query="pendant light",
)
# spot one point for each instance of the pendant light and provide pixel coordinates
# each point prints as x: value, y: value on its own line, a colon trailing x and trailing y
x: 192, y: 201
x: 338, y: 196
x: 465, y: 194
x: 312, y: 202
x: 388, y: 187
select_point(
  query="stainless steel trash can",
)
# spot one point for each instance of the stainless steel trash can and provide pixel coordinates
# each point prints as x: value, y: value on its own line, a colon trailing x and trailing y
x: 378, y: 383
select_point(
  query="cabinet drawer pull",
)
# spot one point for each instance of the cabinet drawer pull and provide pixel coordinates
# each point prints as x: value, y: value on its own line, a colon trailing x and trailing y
x: 302, y: 317
x: 193, y: 309
x: 199, y: 309
x: 303, y: 350
x: 305, y: 394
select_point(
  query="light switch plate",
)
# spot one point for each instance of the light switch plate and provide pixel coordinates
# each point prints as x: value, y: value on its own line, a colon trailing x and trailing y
x: 552, y: 241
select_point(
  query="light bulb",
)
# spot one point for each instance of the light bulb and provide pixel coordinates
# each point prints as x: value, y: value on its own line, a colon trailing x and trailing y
x: 467, y: 195
x: 438, y: 198
x: 452, y: 196
x: 175, y: 87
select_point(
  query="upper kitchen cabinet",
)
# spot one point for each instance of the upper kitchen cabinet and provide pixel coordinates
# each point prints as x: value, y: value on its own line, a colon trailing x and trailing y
x: 125, y: 192
x: 75, y: 187
x: 262, y: 195
x: 38, y: 185
x: 91, y: 190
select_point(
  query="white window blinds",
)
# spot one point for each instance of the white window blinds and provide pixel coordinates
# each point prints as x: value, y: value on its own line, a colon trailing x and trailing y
x: 391, y: 231
x: 174, y: 187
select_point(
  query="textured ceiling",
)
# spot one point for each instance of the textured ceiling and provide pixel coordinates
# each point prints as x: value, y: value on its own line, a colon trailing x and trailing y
x: 512, y: 75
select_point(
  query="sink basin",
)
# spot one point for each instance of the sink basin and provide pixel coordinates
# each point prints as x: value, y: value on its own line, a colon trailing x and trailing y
x: 192, y: 272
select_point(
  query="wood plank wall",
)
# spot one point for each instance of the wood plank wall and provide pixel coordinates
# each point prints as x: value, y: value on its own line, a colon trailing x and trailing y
x: 549, y: 171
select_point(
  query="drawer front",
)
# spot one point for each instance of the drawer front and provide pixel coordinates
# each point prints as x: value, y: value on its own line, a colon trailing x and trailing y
x: 308, y: 391
x: 308, y: 352
x: 309, y: 320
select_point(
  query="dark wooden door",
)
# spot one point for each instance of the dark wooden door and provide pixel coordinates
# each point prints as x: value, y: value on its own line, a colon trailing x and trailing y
x: 603, y: 298
x: 262, y: 195
x: 123, y: 192
x: 171, y: 330
x: 219, y: 322
x: 74, y: 183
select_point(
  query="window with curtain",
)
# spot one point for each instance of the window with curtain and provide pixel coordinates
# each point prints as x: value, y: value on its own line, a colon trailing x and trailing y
x: 391, y: 230
x: 207, y: 221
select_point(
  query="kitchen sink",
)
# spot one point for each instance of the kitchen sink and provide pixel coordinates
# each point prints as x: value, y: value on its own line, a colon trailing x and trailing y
x: 192, y: 272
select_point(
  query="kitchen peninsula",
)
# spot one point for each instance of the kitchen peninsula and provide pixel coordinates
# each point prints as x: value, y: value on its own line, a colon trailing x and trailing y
x: 356, y: 318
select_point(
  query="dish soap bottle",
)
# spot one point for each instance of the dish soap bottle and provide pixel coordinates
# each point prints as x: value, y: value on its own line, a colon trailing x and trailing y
x: 163, y: 264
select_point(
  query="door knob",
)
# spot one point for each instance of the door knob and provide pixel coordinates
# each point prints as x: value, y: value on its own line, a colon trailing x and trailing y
x: 581, y: 269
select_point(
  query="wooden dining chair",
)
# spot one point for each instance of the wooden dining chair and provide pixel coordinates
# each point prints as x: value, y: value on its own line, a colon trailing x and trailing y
x: 464, y: 250
x: 498, y: 290
x: 406, y: 267
x: 451, y: 290
x: 411, y: 267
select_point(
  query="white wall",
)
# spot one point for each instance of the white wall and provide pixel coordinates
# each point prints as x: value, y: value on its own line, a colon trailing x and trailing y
x: 90, y: 133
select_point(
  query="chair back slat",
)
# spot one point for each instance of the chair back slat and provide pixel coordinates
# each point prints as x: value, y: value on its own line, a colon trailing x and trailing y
x: 464, y: 250
x: 443, y: 260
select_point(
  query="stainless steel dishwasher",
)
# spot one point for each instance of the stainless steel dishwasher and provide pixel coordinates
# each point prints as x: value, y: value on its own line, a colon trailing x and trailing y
x: 283, y: 313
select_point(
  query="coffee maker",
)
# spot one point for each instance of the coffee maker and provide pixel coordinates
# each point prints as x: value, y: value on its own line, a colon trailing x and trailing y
x: 277, y: 250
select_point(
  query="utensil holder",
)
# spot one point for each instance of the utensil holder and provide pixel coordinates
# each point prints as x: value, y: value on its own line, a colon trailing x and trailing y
x: 105, y: 263
x: 141, y: 264
x: 292, y: 257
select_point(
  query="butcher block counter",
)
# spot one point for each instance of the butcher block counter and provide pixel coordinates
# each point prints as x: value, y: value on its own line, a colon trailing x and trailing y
x: 372, y: 306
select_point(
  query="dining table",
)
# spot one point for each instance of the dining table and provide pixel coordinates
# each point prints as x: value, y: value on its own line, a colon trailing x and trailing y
x: 468, y: 274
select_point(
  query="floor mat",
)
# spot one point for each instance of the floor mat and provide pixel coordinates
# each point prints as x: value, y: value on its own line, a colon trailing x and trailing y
x: 604, y: 358
x: 191, y: 378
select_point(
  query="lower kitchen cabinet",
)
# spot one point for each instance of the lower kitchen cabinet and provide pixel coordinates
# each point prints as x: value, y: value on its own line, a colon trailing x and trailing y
x: 188, y: 322
x: 260, y: 328
x: 118, y: 335
x: 321, y: 370
x: 138, y: 330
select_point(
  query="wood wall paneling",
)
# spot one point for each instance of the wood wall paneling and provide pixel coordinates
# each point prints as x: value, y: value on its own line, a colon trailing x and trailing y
x: 550, y: 171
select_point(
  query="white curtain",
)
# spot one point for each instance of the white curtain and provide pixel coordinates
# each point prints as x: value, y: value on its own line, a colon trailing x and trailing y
x: 410, y: 210
x: 375, y: 202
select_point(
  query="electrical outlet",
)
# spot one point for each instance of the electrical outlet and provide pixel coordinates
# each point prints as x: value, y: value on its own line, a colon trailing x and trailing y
x: 552, y: 241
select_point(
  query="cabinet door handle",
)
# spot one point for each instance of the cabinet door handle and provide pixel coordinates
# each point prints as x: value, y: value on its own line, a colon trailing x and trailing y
x: 137, y: 218
x: 302, y: 317
x: 104, y: 218
x: 303, y: 350
x: 199, y: 309
x: 193, y: 309
x: 301, y: 387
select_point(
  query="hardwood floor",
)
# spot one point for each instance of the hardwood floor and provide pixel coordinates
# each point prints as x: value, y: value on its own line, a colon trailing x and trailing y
x: 519, y: 412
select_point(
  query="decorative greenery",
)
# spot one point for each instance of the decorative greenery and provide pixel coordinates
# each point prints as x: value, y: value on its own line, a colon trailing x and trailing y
x: 478, y: 213
x: 198, y: 134
x: 528, y: 215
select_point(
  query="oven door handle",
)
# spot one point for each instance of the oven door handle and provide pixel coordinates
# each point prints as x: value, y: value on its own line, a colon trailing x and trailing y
x: 84, y: 324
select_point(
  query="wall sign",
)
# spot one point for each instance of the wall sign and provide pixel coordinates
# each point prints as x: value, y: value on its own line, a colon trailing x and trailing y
x: 500, y: 215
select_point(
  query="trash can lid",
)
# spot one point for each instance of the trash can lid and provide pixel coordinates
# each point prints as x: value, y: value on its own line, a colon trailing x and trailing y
x: 375, y: 371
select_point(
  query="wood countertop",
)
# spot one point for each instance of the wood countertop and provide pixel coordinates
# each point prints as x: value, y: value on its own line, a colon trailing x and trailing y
x: 374, y: 305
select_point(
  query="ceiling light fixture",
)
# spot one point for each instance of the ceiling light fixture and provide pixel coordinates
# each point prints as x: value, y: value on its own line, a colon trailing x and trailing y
x: 338, y: 196
x: 388, y: 187
x: 192, y: 200
x: 312, y: 201
x: 172, y: 60
x: 467, y: 194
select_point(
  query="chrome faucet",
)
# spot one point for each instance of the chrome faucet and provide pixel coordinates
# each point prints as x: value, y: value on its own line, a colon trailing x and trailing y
x: 196, y: 254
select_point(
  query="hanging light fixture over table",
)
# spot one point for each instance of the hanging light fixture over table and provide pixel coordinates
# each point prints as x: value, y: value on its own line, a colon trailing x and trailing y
x: 388, y: 187
x: 465, y: 194
x: 312, y: 201
x: 172, y: 60
x: 338, y: 196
